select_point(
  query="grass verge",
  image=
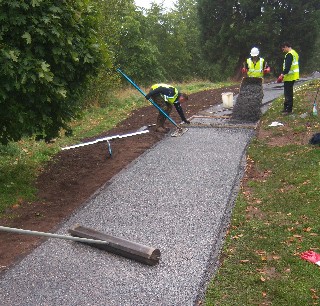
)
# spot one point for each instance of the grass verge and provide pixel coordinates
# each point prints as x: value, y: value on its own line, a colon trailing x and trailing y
x: 21, y: 162
x: 276, y: 216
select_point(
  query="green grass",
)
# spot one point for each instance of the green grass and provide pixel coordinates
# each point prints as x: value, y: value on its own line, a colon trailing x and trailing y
x: 197, y: 86
x: 21, y: 162
x: 276, y: 216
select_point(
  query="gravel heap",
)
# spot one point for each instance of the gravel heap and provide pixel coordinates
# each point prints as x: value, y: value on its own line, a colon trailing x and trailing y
x: 248, y: 105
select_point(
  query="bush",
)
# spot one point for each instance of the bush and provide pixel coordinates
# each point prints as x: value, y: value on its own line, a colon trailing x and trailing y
x: 48, y: 49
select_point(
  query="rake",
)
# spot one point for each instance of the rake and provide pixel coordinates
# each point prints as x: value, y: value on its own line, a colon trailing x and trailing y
x: 179, y: 130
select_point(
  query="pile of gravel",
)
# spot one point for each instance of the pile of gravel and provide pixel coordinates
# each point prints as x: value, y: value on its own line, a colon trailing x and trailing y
x: 248, y: 105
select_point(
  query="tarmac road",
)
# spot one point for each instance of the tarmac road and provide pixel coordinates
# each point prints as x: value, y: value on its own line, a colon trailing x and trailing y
x: 177, y: 197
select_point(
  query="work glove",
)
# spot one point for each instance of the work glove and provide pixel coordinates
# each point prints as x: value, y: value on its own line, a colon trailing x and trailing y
x: 244, y: 70
x: 280, y: 78
x: 266, y: 70
x: 311, y: 256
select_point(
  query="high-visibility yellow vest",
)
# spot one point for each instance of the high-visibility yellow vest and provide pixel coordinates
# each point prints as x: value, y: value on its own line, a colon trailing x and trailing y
x: 293, y: 74
x: 170, y: 99
x: 255, y: 70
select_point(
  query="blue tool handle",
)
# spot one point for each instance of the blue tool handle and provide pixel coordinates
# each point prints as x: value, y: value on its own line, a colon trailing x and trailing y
x: 154, y: 104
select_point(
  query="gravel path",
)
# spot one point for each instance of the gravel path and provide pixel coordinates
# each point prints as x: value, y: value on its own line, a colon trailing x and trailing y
x: 177, y: 197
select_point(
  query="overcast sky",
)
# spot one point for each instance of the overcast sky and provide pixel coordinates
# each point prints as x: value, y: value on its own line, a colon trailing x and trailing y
x: 146, y: 3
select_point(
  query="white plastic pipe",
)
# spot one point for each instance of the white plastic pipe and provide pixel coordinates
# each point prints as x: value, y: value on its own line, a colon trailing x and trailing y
x: 50, y: 235
x: 103, y: 139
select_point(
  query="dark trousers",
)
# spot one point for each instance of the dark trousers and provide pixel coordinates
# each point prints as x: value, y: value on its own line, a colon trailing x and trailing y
x: 167, y: 107
x: 288, y: 96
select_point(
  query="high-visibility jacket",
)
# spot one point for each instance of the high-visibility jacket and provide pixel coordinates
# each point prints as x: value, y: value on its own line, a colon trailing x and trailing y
x: 293, y: 73
x: 255, y: 70
x: 168, y: 92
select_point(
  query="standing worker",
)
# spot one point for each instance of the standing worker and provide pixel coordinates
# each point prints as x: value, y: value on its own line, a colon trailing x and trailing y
x: 255, y: 66
x: 165, y: 96
x: 290, y: 73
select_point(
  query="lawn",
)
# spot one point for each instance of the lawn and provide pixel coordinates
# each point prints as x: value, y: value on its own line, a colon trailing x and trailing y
x: 276, y: 216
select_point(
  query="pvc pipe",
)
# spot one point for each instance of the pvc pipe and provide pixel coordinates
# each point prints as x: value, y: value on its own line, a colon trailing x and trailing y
x: 50, y: 235
x: 103, y: 139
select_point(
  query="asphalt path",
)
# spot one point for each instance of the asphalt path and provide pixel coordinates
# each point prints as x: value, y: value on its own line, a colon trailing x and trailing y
x: 178, y: 197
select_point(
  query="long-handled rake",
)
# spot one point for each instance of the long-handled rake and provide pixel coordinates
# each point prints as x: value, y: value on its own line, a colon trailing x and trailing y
x: 179, y: 130
x: 129, y: 249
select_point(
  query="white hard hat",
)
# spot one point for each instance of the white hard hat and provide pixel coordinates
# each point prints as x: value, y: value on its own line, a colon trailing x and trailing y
x: 254, y: 51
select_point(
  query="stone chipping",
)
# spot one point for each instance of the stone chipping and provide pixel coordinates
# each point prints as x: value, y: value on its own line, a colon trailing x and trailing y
x: 248, y: 104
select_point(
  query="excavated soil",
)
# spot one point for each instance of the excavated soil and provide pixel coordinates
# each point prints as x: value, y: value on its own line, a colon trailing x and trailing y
x: 74, y: 175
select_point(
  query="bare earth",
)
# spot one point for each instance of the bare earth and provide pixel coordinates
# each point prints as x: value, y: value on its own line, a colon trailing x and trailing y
x: 74, y: 175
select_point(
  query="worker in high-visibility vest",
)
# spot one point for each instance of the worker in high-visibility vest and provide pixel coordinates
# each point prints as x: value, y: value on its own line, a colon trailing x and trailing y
x: 290, y: 73
x: 166, y: 96
x: 255, y: 66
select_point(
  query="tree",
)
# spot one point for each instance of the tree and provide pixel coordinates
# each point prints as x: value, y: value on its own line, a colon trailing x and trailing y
x: 175, y: 34
x: 122, y: 28
x: 136, y: 54
x: 110, y: 16
x: 187, y: 24
x: 298, y: 23
x: 48, y: 50
x: 230, y: 29
x: 219, y: 44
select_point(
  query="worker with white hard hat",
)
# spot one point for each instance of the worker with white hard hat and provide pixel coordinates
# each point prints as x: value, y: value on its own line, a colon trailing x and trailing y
x: 254, y: 51
x: 255, y: 66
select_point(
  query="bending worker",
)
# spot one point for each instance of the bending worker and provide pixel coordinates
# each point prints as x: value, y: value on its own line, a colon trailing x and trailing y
x: 255, y: 66
x: 166, y: 96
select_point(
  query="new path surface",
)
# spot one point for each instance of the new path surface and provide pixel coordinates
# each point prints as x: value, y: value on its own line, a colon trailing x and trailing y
x: 177, y: 197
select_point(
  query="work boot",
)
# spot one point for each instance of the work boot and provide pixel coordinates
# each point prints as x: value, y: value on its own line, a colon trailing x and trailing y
x: 286, y: 112
x: 161, y: 129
